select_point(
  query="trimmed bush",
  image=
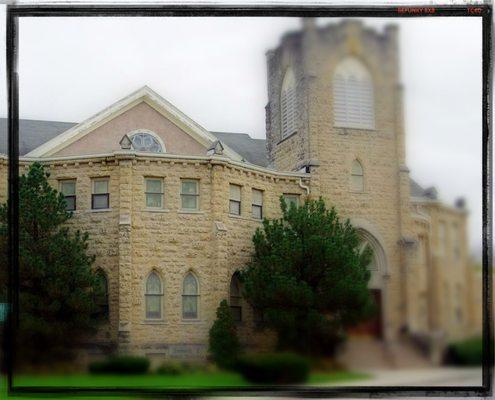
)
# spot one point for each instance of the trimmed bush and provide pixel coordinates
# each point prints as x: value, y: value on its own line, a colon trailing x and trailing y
x: 170, y: 368
x: 183, y: 367
x: 274, y: 368
x: 466, y: 352
x: 120, y: 365
x: 224, y: 345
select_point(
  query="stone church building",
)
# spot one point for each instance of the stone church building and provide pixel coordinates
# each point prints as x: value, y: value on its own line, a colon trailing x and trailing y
x: 171, y: 207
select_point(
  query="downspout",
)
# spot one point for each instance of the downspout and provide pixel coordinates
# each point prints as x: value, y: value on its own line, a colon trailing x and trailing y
x: 303, y: 186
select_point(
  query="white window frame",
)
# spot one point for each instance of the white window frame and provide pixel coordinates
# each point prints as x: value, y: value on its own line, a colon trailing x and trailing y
x: 189, y: 295
x: 159, y: 295
x: 74, y: 195
x: 146, y: 193
x: 183, y: 195
x: 296, y: 197
x: 255, y: 205
x: 236, y: 201
x: 93, y: 194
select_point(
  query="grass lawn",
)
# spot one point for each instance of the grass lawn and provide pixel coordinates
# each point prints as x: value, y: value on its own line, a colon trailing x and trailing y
x: 154, y: 381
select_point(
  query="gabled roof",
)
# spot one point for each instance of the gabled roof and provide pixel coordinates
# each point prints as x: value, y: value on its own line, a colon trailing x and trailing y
x: 419, y: 192
x: 32, y: 133
x: 252, y: 150
x: 144, y: 94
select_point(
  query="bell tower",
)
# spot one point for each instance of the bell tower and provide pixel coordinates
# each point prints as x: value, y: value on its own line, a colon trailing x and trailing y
x: 335, y: 110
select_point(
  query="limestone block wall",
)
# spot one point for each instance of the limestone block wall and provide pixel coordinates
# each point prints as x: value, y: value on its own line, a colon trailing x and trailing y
x: 451, y: 255
x: 130, y: 241
x: 383, y: 205
x: 210, y: 243
x: 422, y: 311
x: 102, y: 226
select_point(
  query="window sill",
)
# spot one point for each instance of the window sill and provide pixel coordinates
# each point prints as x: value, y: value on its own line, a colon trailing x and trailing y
x: 190, y: 212
x: 345, y: 129
x: 153, y: 322
x: 237, y: 216
x: 156, y: 210
x: 190, y: 321
x: 287, y: 137
x: 358, y: 192
x: 98, y: 210
x: 234, y: 216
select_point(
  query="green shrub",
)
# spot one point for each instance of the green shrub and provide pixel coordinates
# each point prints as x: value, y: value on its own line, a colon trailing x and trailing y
x: 183, y: 367
x: 224, y: 345
x: 466, y: 352
x: 120, y: 365
x: 274, y: 368
x: 170, y: 368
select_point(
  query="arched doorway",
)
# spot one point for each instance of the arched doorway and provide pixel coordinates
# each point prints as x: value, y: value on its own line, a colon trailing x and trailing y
x: 373, y: 326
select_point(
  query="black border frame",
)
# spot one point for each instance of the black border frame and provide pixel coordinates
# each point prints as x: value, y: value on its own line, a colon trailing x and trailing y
x: 218, y: 10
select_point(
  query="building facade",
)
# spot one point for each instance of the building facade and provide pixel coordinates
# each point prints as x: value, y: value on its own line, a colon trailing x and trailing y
x: 171, y: 207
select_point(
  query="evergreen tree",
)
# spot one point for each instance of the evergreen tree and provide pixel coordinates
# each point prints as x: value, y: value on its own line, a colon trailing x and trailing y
x: 308, y: 278
x: 224, y: 344
x: 57, y: 286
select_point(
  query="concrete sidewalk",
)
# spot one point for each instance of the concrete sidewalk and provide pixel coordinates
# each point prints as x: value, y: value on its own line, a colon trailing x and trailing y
x: 420, y: 377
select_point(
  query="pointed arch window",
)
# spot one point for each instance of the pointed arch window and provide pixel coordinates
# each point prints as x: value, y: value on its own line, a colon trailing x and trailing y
x: 101, y: 299
x: 288, y: 104
x: 154, y: 295
x: 357, y: 177
x: 190, y: 294
x: 372, y: 265
x: 235, y: 298
x: 353, y: 97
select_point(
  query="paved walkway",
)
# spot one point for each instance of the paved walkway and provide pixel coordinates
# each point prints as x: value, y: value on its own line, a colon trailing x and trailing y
x: 421, y: 377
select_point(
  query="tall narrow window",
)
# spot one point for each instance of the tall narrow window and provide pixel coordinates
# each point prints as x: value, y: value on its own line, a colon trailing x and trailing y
x: 154, y: 192
x: 68, y: 189
x: 288, y: 104
x: 456, y: 244
x: 357, y: 176
x: 353, y: 99
x: 154, y: 294
x: 100, y: 199
x: 257, y: 205
x: 442, y: 238
x: 101, y: 299
x: 235, y: 299
x: 235, y: 200
x: 190, y: 294
x: 189, y: 194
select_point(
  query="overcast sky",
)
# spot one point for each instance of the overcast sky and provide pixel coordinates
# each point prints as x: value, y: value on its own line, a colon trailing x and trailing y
x: 213, y: 69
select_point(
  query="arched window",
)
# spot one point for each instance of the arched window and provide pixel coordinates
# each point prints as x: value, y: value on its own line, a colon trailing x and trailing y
x: 235, y: 298
x: 372, y: 266
x: 288, y: 104
x: 357, y: 176
x: 153, y: 295
x: 353, y: 99
x: 190, y: 294
x: 101, y: 298
x: 144, y: 141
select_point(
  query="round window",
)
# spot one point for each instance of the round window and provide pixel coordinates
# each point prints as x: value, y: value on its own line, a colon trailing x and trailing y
x: 146, y: 142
